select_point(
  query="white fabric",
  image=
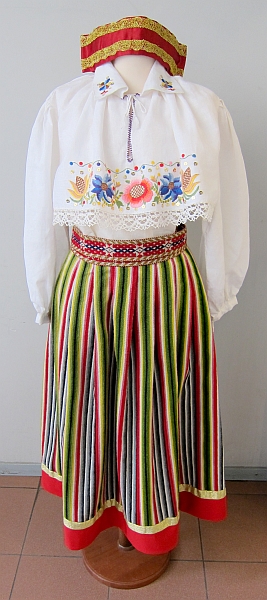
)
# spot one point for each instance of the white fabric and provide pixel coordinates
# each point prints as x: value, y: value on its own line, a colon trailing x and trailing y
x: 186, y: 164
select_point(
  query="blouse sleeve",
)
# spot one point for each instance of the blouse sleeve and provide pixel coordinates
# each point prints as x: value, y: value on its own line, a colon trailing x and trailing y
x: 45, y: 246
x: 224, y: 252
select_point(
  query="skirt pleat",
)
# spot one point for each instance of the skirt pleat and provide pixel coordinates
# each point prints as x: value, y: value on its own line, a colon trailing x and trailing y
x: 131, y: 430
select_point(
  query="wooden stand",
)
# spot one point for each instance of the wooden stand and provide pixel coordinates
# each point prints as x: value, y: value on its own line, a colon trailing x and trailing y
x: 112, y: 560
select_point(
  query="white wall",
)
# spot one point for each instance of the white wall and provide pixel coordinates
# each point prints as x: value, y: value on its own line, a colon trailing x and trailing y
x: 226, y: 52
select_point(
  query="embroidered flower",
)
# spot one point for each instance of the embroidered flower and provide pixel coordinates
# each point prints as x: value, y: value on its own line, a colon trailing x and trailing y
x: 171, y: 187
x: 102, y: 187
x: 137, y: 192
x: 167, y: 84
x: 105, y: 85
x: 79, y: 187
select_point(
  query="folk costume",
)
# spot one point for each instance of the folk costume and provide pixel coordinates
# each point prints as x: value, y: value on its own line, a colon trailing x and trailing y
x: 131, y: 429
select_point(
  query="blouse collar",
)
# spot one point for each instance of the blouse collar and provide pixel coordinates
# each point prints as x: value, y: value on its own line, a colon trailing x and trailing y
x: 107, y: 81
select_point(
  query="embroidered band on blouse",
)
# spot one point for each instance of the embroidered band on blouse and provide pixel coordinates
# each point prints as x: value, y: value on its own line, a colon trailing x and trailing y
x: 150, y: 195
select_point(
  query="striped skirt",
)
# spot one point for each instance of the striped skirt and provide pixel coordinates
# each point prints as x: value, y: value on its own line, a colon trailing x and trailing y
x: 131, y: 431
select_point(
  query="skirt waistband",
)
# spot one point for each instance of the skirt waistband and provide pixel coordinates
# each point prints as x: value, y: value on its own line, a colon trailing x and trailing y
x: 128, y: 253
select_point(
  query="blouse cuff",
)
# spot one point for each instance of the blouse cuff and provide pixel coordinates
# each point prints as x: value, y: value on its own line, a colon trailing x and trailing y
x: 42, y: 318
x: 228, y: 305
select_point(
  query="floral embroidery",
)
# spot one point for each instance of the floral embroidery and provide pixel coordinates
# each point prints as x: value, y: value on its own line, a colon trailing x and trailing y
x: 105, y: 85
x: 167, y: 84
x: 79, y: 188
x: 137, y: 192
x: 102, y: 188
x: 171, y: 187
x: 146, y: 185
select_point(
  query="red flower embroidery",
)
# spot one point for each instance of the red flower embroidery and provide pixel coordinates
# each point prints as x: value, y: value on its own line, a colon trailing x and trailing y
x: 137, y: 192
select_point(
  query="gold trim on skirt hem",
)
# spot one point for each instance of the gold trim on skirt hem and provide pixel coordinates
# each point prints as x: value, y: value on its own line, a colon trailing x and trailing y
x: 147, y: 529
x: 51, y: 473
x: 204, y: 494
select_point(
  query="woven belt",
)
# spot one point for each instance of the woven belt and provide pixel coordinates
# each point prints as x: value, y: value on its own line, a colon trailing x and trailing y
x: 127, y: 253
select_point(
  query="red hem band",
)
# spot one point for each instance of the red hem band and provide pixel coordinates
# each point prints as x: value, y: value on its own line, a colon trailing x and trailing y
x: 148, y: 543
x: 202, y: 508
x: 51, y: 484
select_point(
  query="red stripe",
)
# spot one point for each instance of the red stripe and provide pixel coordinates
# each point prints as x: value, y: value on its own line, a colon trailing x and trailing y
x: 98, y: 405
x: 125, y: 360
x: 138, y: 417
x: 197, y: 346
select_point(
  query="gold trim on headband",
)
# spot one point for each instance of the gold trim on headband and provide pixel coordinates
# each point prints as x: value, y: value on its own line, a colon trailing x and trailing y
x: 123, y: 46
x: 130, y: 23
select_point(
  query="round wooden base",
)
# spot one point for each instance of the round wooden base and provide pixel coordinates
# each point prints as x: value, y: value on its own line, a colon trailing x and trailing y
x: 122, y: 568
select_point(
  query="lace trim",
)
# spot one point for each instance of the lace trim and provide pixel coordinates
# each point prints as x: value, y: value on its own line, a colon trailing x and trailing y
x: 131, y: 23
x: 131, y: 222
x: 124, y: 46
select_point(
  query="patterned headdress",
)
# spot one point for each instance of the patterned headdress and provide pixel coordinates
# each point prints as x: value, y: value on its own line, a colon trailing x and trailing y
x: 133, y: 35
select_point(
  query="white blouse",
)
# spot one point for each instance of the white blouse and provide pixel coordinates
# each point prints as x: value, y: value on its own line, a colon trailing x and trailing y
x: 124, y: 166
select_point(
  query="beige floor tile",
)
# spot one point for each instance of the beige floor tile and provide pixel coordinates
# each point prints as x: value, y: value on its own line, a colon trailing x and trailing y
x: 189, y: 544
x: 236, y: 581
x: 15, y: 509
x: 45, y: 533
x: 15, y: 481
x: 55, y: 578
x: 181, y: 581
x: 246, y: 487
x: 242, y: 536
x: 8, y: 565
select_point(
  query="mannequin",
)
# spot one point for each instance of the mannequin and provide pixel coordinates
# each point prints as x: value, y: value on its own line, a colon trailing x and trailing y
x: 134, y: 70
x: 124, y: 569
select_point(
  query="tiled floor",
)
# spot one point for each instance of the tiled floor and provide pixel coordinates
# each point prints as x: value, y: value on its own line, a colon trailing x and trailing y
x: 223, y: 561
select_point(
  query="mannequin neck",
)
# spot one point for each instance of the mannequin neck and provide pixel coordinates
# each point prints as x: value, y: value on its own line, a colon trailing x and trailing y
x: 134, y: 70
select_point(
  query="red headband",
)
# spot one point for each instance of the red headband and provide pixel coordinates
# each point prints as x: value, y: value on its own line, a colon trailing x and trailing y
x: 133, y: 35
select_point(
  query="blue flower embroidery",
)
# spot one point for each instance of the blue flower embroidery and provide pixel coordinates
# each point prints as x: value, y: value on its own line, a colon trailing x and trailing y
x: 102, y: 187
x: 171, y: 187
